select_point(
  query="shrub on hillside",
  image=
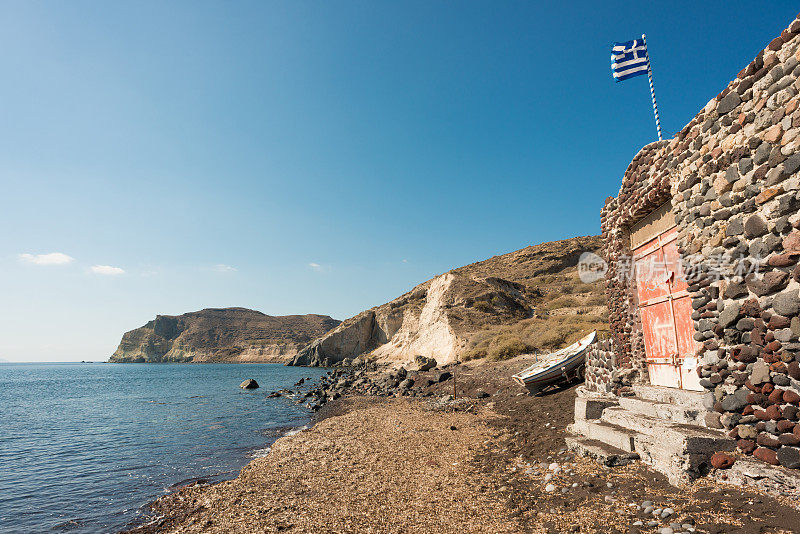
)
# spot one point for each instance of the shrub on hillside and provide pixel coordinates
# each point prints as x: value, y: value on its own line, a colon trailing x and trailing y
x: 505, y: 347
x: 563, y: 302
x: 596, y: 300
x: 473, y: 354
x: 554, y: 338
x: 482, y: 305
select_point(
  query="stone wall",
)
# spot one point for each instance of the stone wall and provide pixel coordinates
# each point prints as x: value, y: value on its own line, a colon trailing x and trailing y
x: 599, y: 365
x: 731, y: 176
x: 645, y: 187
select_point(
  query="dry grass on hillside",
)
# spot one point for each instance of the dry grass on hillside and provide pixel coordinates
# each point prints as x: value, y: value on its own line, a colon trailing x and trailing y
x: 532, y: 335
x: 567, y: 310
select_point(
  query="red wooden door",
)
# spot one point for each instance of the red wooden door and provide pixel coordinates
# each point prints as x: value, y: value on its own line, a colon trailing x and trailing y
x: 666, y: 309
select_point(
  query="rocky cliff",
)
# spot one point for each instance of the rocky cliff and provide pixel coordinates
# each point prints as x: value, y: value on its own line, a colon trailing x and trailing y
x: 526, y: 300
x: 221, y: 335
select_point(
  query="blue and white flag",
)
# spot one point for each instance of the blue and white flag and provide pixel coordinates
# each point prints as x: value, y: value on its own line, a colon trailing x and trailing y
x: 629, y: 59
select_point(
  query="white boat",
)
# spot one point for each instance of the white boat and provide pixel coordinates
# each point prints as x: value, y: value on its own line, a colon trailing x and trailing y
x: 566, y: 363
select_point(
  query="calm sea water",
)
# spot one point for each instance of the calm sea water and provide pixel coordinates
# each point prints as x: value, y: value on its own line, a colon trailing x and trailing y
x: 83, y: 447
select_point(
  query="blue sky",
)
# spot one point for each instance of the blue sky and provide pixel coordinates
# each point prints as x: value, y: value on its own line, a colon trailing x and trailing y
x: 315, y: 157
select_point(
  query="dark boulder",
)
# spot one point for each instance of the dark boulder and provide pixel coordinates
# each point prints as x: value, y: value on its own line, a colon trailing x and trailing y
x: 424, y: 363
x: 746, y: 445
x: 789, y: 457
x: 408, y: 383
x: 794, y: 370
x: 735, y: 402
x: 789, y: 438
x: 755, y: 226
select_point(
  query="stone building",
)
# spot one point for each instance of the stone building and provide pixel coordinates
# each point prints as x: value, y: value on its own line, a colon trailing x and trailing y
x: 702, y: 245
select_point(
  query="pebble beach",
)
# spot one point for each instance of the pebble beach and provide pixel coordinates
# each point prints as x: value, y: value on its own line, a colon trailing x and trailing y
x: 432, y: 463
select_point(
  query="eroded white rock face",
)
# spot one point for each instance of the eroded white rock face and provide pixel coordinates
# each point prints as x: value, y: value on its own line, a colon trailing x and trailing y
x: 395, y: 332
x: 428, y: 333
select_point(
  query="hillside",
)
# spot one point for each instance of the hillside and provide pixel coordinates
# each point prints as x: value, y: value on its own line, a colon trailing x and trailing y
x: 221, y: 335
x: 523, y: 301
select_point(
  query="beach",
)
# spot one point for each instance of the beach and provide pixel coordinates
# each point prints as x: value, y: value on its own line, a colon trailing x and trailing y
x: 499, y: 464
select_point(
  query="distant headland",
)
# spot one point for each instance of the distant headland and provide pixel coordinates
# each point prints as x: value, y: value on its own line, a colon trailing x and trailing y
x: 235, y: 335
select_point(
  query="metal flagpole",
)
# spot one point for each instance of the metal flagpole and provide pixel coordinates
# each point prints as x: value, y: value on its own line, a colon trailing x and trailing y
x: 652, y: 89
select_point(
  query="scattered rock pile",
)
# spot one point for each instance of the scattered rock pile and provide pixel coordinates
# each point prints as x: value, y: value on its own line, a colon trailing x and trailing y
x: 373, y: 380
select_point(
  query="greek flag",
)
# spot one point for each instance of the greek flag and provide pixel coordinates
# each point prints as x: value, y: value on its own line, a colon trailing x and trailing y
x: 629, y: 59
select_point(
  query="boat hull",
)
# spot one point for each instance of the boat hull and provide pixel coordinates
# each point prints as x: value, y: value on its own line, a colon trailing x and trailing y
x: 567, y: 367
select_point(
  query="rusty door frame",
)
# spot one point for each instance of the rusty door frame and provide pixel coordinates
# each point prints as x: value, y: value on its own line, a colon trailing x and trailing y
x: 655, y: 244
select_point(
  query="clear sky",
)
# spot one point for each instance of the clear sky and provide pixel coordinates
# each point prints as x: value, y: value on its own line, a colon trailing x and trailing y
x: 315, y: 157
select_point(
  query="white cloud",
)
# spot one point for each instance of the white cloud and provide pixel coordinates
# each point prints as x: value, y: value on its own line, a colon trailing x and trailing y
x: 53, y: 258
x: 405, y: 261
x: 222, y: 268
x: 107, y: 270
x: 315, y: 266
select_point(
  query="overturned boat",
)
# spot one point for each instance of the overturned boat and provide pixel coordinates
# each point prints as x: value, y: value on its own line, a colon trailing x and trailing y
x: 564, y: 364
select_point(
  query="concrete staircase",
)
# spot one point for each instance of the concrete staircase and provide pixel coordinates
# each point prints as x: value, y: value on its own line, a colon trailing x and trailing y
x: 660, y: 425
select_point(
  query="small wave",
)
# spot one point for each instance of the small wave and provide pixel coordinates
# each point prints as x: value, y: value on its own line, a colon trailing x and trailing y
x: 260, y: 453
x: 72, y: 524
x: 187, y: 482
x: 297, y: 430
x: 278, y: 432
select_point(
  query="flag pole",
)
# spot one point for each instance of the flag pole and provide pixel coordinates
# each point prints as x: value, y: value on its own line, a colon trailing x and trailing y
x: 652, y: 89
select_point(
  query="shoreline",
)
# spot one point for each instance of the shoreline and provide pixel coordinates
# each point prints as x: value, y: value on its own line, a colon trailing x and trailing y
x: 151, y: 523
x: 363, y: 458
x: 336, y: 426
x: 258, y: 362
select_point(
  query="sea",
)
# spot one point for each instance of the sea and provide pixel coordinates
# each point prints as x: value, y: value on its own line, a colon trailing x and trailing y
x: 84, y: 447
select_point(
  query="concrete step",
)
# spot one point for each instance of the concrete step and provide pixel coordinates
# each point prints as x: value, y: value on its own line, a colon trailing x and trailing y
x: 591, y: 407
x: 661, y: 410
x: 690, y: 400
x: 694, y: 439
x: 661, y: 425
x: 634, y: 421
x: 608, y: 433
x: 680, y: 451
x: 602, y: 452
